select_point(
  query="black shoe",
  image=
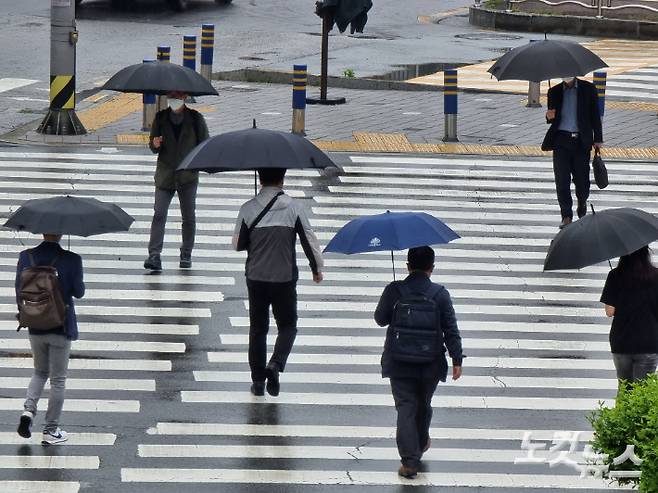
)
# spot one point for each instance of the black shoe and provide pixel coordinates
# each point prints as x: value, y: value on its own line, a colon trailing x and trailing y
x: 153, y: 263
x: 566, y: 221
x: 185, y: 262
x: 272, y: 374
x: 581, y: 210
x: 258, y: 389
x: 25, y: 424
x: 408, y: 472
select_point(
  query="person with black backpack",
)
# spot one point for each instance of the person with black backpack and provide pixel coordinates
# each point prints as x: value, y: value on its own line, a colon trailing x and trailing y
x: 421, y: 324
x: 47, y: 279
x: 174, y: 133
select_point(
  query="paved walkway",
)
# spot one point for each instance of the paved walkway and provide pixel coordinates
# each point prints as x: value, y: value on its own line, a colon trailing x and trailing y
x: 372, y: 121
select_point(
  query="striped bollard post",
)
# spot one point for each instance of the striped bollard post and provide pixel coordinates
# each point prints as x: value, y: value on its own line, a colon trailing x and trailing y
x: 189, y: 52
x: 164, y: 55
x: 207, y: 49
x: 299, y: 99
x: 450, y: 105
x: 148, y: 112
x: 599, y: 83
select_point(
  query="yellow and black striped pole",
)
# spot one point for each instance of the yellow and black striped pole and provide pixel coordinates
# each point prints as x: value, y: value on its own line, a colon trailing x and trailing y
x: 207, y: 49
x: 299, y: 99
x: 61, y: 118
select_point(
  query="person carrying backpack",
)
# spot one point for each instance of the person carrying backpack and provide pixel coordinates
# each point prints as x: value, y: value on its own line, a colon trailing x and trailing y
x: 421, y: 324
x: 47, y: 279
x: 174, y: 133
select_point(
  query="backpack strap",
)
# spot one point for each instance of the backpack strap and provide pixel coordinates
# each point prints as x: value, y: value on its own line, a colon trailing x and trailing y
x: 267, y: 208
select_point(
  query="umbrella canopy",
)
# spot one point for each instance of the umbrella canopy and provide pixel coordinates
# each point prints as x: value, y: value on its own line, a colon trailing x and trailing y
x: 159, y: 78
x: 390, y: 231
x: 68, y: 215
x: 252, y: 149
x: 345, y: 12
x: 544, y: 60
x: 601, y: 236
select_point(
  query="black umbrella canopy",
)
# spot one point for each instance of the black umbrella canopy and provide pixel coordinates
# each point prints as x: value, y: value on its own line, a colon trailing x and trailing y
x: 159, y: 78
x: 545, y: 60
x: 255, y: 148
x: 602, y: 236
x: 66, y: 215
x: 345, y: 12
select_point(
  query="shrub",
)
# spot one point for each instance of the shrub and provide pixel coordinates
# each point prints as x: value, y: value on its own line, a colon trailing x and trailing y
x: 633, y: 421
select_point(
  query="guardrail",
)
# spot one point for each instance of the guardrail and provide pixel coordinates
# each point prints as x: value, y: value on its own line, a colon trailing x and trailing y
x: 601, y: 6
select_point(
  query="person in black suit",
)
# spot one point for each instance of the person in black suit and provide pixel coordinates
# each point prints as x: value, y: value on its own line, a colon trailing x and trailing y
x: 573, y: 112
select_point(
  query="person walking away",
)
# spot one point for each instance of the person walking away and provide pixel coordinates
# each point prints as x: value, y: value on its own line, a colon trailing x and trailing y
x: 573, y: 112
x: 175, y: 132
x: 50, y: 346
x: 267, y: 227
x: 421, y: 324
x: 630, y: 296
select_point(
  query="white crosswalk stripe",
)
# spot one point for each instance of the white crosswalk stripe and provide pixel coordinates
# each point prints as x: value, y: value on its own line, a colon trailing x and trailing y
x: 536, y: 343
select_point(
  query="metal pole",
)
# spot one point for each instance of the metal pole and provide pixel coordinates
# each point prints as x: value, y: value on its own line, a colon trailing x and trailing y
x: 164, y: 55
x: 599, y: 83
x: 61, y: 118
x: 299, y: 99
x: 393, y: 263
x: 450, y: 105
x: 149, y: 109
x: 207, y: 49
x: 324, y: 71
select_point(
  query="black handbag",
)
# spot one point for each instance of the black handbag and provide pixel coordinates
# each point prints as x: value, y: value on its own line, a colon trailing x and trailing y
x: 600, y: 171
x: 245, y: 232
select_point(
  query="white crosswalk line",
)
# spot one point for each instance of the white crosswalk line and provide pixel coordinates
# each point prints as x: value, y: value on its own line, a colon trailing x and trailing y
x: 81, y: 405
x: 40, y: 486
x: 86, y: 383
x: 49, y: 462
x: 77, y: 439
x: 7, y: 84
x: 96, y: 364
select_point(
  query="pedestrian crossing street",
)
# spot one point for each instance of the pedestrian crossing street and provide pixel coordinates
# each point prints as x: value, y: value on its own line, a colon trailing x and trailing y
x: 632, y: 72
x: 158, y: 392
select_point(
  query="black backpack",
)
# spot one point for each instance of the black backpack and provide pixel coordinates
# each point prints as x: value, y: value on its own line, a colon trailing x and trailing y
x: 415, y: 334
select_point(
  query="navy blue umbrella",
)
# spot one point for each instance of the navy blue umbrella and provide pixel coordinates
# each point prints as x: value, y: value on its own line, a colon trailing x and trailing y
x: 390, y: 231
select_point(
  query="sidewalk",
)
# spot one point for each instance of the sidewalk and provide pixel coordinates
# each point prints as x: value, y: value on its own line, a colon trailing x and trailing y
x: 371, y: 121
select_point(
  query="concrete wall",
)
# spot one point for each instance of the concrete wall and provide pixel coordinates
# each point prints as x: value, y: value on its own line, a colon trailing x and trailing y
x: 559, y: 24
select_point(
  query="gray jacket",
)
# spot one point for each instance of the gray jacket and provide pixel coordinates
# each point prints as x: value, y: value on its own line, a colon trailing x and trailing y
x: 271, y: 256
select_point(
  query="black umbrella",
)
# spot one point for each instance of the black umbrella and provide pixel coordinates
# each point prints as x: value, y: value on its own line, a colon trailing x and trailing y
x: 601, y: 236
x: 345, y: 12
x: 159, y: 78
x: 66, y: 215
x: 252, y: 149
x: 545, y: 60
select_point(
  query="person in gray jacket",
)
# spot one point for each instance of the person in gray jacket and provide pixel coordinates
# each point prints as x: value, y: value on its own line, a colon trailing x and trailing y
x: 175, y: 132
x: 267, y: 227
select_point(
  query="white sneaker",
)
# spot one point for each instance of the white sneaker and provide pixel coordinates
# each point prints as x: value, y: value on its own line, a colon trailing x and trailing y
x: 25, y: 424
x: 54, y: 437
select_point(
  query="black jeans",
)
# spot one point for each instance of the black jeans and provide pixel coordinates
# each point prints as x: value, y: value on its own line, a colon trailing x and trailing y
x: 570, y: 158
x: 283, y: 298
x: 413, y: 402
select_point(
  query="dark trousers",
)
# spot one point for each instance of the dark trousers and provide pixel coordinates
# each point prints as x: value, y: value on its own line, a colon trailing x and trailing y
x: 282, y: 296
x: 187, y: 199
x: 570, y: 158
x: 413, y: 402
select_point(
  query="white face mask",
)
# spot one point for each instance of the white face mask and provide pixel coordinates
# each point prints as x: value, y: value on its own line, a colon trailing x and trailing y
x: 568, y: 80
x: 176, y: 104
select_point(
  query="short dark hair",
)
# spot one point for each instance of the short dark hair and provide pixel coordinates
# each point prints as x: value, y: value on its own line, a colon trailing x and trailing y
x: 420, y: 258
x: 271, y: 176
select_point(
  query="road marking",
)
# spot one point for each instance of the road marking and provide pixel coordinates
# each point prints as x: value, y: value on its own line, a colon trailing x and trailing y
x: 48, y: 462
x: 328, y: 431
x: 140, y: 294
x: 77, y: 439
x: 96, y: 364
x: 363, y: 478
x: 112, y: 346
x: 81, y: 405
x: 467, y: 381
x: 87, y: 384
x: 379, y: 400
x: 7, y: 84
x: 40, y: 486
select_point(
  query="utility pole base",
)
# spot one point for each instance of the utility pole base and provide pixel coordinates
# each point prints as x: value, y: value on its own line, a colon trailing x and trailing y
x: 61, y: 122
x: 326, y: 101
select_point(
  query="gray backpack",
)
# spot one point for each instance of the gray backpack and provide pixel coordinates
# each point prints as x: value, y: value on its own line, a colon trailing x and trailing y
x: 41, y: 305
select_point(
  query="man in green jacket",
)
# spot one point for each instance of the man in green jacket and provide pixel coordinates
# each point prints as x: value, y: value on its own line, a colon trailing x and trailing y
x: 175, y: 132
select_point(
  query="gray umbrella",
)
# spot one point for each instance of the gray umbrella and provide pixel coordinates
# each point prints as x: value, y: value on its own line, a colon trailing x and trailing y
x: 159, y: 78
x: 66, y: 215
x: 545, y: 60
x: 601, y: 236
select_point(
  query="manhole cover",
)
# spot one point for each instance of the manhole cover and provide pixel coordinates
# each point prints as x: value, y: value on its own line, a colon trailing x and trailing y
x: 488, y: 36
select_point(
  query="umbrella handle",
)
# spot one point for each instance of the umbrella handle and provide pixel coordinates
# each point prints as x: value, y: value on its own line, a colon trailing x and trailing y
x: 393, y: 264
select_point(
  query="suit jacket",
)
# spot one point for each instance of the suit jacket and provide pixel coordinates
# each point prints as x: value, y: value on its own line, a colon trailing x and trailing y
x: 69, y: 272
x: 589, y: 118
x: 420, y: 282
x: 173, y: 150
